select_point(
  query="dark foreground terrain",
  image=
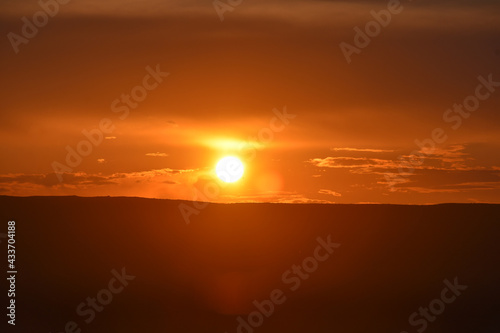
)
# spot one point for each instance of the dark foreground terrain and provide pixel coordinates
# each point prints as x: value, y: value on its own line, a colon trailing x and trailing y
x: 133, y: 265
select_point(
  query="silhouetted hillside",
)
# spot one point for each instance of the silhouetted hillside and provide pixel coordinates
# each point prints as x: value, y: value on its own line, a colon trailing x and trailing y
x: 386, y: 262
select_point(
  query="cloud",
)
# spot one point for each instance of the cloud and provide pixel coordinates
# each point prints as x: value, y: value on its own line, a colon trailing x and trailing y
x: 83, y: 179
x: 304, y: 200
x: 451, y: 158
x: 275, y: 197
x: 451, y: 169
x: 425, y: 190
x: 353, y: 163
x: 330, y: 192
x: 157, y: 154
x: 363, y: 150
x: 35, y: 179
x: 460, y: 187
x: 477, y: 185
x: 149, y: 183
x: 172, y: 123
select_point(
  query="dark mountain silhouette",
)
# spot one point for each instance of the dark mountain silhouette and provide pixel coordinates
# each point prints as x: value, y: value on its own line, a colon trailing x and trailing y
x: 200, y: 277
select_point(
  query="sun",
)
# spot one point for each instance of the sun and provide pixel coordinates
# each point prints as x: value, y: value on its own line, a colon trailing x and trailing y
x: 229, y: 169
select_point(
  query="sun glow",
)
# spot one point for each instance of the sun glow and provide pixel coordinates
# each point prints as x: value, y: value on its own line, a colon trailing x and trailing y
x: 229, y: 169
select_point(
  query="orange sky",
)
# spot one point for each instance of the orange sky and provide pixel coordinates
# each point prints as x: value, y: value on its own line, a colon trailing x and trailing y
x: 348, y: 123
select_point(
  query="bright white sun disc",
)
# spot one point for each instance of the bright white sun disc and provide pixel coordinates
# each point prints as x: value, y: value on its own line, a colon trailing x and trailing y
x: 229, y: 169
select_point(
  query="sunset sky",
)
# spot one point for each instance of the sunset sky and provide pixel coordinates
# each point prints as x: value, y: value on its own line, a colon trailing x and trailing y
x: 269, y: 84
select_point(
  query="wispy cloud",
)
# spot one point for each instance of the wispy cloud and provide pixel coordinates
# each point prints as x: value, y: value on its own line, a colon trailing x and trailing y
x: 451, y: 158
x: 275, y: 197
x: 460, y: 187
x: 157, y: 154
x: 330, y: 192
x: 352, y: 162
x: 447, y: 170
x: 363, y: 150
x: 83, y: 179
